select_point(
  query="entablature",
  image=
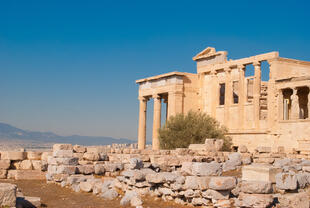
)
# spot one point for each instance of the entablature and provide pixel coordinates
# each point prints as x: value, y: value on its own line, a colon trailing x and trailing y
x: 238, y: 62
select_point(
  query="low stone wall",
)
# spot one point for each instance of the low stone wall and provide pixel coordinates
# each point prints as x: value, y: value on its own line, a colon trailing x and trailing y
x: 23, y: 165
x: 214, y: 179
x: 194, y: 176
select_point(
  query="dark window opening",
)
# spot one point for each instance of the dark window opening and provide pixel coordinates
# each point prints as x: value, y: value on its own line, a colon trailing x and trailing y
x: 222, y: 94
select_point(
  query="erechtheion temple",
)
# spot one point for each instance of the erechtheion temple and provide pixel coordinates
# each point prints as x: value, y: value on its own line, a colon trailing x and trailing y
x: 272, y: 113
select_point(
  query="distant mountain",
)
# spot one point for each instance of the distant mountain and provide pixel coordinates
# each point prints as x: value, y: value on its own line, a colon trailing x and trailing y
x: 8, y: 132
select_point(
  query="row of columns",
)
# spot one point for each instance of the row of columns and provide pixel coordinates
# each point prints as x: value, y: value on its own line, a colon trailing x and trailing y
x: 294, y: 106
x: 174, y: 105
x: 242, y: 95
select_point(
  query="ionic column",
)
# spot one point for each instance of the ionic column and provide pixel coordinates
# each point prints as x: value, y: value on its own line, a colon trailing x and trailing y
x: 256, y: 93
x: 215, y: 90
x: 241, y: 96
x: 142, y: 123
x: 156, y: 121
x: 271, y: 103
x: 280, y: 104
x: 228, y: 96
x: 295, y: 105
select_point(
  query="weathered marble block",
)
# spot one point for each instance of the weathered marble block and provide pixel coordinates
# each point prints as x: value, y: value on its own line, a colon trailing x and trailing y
x: 12, y: 155
x: 63, y: 153
x: 34, y: 155
x: 260, y: 172
x: 57, y: 147
x: 7, y: 195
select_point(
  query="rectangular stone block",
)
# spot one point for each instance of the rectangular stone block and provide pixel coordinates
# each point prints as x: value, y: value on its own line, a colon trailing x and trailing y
x: 26, y: 165
x: 5, y: 164
x: 12, y: 155
x: 34, y: 155
x: 62, y: 147
x: 66, y: 169
x: 63, y: 161
x: 96, y: 149
x: 260, y: 172
x: 196, y: 182
x: 29, y: 175
x: 63, y: 153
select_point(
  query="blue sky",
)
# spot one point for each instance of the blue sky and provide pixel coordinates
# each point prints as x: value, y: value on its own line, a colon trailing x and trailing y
x: 70, y: 66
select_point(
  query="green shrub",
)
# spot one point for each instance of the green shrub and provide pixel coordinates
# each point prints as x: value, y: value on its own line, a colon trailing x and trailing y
x: 193, y: 128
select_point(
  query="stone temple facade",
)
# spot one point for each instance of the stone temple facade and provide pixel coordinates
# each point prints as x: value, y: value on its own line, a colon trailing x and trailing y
x: 271, y: 113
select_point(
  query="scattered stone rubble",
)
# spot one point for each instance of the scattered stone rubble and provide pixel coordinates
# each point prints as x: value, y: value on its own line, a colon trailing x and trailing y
x: 10, y: 196
x: 202, y: 177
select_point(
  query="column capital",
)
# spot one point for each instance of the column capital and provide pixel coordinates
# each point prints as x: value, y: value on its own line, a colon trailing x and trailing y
x: 294, y: 95
x: 142, y: 98
x: 256, y: 63
x: 156, y: 96
x: 241, y: 66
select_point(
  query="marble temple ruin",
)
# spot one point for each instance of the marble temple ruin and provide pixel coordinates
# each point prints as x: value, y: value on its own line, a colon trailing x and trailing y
x: 272, y: 113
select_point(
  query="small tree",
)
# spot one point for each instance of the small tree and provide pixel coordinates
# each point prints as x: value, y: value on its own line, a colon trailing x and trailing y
x: 182, y: 130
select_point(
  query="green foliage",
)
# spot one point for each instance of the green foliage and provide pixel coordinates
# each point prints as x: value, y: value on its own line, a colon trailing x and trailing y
x: 193, y: 128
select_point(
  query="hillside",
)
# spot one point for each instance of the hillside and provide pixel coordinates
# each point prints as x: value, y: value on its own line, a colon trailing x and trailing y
x: 11, y: 133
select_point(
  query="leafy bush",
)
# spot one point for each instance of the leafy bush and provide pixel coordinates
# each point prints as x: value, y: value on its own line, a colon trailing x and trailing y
x: 182, y: 130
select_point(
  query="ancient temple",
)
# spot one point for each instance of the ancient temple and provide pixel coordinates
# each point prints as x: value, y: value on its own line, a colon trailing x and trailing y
x: 271, y: 113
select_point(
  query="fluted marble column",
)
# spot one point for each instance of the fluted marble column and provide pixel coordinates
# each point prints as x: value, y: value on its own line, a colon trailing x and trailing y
x: 156, y: 121
x: 241, y: 96
x: 256, y: 93
x: 215, y: 90
x: 271, y: 103
x: 142, y: 123
x: 280, y: 105
x: 228, y: 96
x: 295, y: 105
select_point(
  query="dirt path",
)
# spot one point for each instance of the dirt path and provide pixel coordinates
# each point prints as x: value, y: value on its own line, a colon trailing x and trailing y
x: 53, y: 196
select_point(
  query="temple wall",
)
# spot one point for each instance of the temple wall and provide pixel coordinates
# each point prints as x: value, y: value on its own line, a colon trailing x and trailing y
x: 289, y: 68
x: 191, y: 98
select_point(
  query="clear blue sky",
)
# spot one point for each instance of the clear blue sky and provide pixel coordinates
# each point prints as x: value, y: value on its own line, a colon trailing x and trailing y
x: 70, y: 66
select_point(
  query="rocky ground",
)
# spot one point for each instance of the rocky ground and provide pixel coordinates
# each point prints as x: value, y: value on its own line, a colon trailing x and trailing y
x: 54, y: 196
